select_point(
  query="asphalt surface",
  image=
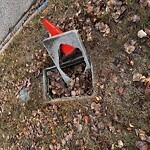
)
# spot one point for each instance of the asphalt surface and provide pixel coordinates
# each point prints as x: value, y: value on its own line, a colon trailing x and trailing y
x: 10, y: 13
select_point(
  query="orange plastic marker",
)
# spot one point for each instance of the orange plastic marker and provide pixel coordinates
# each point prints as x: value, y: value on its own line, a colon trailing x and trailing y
x: 54, y: 30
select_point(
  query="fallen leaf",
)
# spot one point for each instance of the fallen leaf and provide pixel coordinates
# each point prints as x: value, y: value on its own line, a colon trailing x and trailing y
x: 148, y: 139
x: 86, y: 119
x: 129, y: 46
x: 103, y: 28
x: 73, y: 93
x: 135, y: 18
x: 98, y: 98
x: 145, y: 3
x: 54, y: 141
x: 79, y: 127
x: 141, y: 134
x: 111, y: 128
x: 115, y: 118
x: 69, y: 136
x: 102, y: 86
x: 131, y: 125
x: 137, y: 77
x: 145, y: 80
x: 101, y: 125
x: 131, y: 63
x: 54, y: 91
x: 95, y: 106
x: 141, y: 145
x: 63, y: 142
x: 120, y: 90
x: 51, y: 147
x: 147, y: 90
x: 90, y: 8
x: 115, y: 79
x: 112, y: 146
x: 58, y: 146
x: 147, y: 31
x: 120, y: 144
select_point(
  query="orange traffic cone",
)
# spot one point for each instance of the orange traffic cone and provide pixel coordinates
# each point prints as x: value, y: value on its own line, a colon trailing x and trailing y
x: 51, y: 28
x: 54, y: 30
x: 67, y: 49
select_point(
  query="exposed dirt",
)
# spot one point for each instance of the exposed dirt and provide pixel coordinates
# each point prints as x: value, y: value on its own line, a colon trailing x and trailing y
x: 117, y: 116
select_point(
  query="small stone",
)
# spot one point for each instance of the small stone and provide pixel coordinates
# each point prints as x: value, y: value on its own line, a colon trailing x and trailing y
x: 141, y: 34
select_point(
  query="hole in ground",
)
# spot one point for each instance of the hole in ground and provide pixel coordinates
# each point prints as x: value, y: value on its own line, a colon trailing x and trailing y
x: 81, y: 84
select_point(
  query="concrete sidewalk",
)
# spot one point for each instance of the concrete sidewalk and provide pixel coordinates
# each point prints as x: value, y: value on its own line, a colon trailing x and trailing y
x: 11, y: 11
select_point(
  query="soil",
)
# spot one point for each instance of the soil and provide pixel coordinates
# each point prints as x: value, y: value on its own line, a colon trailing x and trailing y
x: 81, y: 83
x: 116, y: 116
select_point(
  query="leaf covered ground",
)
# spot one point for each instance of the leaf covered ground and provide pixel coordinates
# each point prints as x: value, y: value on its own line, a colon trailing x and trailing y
x: 116, y: 35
